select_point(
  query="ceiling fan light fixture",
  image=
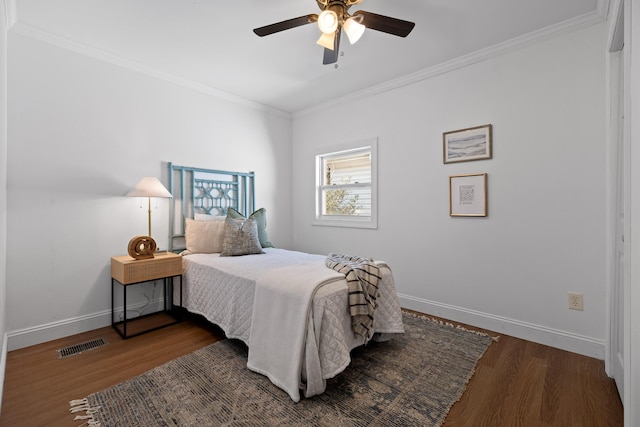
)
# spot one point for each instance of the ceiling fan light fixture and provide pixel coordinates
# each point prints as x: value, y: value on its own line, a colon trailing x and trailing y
x: 328, y: 21
x: 353, y: 28
x: 327, y: 40
x: 333, y: 17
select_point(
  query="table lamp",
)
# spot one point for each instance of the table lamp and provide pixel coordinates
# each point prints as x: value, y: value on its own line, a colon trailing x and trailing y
x: 141, y: 247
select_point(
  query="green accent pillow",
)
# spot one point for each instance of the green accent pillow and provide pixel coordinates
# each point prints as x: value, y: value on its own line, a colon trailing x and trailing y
x: 261, y: 218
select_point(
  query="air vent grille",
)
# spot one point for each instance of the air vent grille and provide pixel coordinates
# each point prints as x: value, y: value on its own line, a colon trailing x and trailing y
x: 82, y: 347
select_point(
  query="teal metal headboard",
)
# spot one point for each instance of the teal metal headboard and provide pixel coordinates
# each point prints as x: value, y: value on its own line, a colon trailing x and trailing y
x: 207, y: 191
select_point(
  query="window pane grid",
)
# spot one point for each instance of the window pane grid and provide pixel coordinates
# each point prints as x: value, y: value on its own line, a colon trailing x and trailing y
x: 345, y: 188
x: 346, y: 201
x: 349, y: 176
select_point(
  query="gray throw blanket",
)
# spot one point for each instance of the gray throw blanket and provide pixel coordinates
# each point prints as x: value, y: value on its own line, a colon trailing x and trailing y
x: 362, y: 277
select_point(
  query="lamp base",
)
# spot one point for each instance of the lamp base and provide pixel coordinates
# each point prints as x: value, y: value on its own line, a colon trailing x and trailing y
x: 142, y: 247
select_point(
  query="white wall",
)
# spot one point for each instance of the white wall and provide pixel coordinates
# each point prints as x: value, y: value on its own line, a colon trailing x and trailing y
x: 82, y: 132
x: 3, y: 188
x: 545, y: 233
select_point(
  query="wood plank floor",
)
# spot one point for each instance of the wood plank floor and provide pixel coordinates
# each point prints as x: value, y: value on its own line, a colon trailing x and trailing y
x: 516, y: 383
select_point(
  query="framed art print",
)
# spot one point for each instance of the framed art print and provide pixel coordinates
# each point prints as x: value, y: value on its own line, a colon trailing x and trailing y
x: 467, y: 144
x: 468, y: 195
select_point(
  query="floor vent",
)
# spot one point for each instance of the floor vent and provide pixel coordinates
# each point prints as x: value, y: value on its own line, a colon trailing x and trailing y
x: 82, y: 347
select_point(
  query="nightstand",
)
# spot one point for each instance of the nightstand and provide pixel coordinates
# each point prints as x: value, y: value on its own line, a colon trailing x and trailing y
x: 127, y: 272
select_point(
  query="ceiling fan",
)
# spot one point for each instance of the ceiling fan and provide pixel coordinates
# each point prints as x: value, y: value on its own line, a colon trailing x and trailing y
x: 334, y: 18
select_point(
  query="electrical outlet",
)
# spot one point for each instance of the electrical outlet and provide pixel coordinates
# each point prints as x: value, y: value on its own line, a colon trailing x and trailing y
x: 575, y: 301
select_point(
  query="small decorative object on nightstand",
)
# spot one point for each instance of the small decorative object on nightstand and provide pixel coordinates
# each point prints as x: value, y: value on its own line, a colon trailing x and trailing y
x: 127, y: 272
x: 142, y: 247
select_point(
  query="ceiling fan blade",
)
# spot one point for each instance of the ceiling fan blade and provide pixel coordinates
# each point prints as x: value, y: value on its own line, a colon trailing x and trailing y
x: 386, y: 24
x: 286, y: 25
x: 331, y: 56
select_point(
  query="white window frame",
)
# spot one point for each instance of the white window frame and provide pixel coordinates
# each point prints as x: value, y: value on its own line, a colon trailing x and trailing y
x: 346, y: 220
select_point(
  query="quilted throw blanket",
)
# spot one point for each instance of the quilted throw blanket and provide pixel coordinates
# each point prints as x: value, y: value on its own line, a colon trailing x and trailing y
x: 362, y: 277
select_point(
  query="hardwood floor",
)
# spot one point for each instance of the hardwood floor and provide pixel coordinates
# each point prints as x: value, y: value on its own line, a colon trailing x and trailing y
x: 517, y: 383
x: 520, y: 383
x: 38, y: 385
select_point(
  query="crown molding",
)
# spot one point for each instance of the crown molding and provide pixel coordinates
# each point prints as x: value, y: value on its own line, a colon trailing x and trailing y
x: 115, y: 59
x: 596, y: 16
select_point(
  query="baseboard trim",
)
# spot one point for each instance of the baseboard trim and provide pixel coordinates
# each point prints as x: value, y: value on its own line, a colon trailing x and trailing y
x: 51, y: 331
x: 3, y: 366
x: 527, y: 331
x: 563, y: 340
x: 64, y: 328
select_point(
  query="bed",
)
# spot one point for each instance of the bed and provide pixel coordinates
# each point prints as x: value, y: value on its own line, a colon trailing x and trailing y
x: 287, y: 306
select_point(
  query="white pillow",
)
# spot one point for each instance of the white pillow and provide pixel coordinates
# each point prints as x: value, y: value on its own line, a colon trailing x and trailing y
x: 204, y: 237
x: 207, y: 217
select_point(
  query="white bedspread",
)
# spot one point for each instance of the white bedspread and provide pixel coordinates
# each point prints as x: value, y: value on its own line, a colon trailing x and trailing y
x: 281, y: 315
x: 222, y: 290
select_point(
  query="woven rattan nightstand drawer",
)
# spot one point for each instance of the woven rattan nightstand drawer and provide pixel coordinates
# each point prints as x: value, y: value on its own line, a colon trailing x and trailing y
x: 127, y: 270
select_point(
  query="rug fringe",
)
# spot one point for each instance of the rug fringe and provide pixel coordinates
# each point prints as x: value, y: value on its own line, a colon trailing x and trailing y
x: 442, y: 322
x: 82, y: 405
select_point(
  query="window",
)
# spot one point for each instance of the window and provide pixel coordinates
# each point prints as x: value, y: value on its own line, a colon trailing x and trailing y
x: 346, y: 186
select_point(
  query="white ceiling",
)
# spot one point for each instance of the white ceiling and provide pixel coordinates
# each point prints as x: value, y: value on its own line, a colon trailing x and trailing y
x: 211, y: 44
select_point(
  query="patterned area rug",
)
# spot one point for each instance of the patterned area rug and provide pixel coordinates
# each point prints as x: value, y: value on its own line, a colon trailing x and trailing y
x: 411, y: 380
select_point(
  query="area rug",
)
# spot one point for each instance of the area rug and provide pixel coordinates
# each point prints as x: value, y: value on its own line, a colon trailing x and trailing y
x: 411, y: 380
